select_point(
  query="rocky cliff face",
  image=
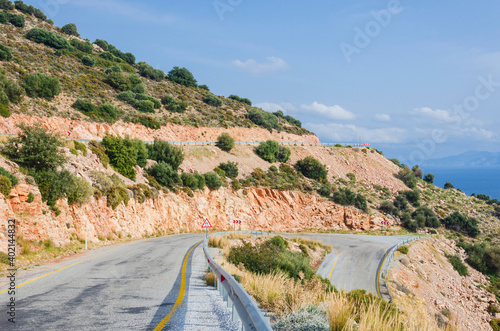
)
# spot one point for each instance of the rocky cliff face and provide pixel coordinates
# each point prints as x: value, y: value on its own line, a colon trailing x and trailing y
x: 259, y: 209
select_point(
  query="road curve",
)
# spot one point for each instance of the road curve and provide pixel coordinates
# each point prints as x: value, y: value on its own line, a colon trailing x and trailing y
x: 131, y: 286
x: 355, y: 260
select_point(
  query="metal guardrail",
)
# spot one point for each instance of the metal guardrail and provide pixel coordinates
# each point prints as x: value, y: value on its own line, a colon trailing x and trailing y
x: 237, y: 298
x: 213, y: 143
x: 390, y: 256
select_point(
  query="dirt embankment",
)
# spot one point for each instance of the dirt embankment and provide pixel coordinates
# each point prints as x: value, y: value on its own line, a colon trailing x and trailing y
x: 426, y: 273
x: 169, y: 132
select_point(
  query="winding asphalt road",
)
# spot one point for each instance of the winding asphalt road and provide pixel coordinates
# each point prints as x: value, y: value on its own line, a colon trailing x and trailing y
x: 136, y: 286
x: 131, y: 286
x: 355, y: 259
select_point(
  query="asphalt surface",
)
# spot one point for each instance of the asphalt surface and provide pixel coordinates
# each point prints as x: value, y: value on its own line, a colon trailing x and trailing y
x: 131, y: 286
x: 355, y: 259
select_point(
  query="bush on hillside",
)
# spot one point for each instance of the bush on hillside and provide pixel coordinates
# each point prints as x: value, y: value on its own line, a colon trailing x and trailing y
x: 5, y: 186
x: 148, y: 71
x: 70, y: 29
x: 17, y: 20
x: 448, y: 185
x: 311, y: 168
x: 272, y: 152
x: 98, y: 149
x: 417, y: 171
x: 462, y: 223
x: 346, y: 197
x: 122, y: 154
x: 147, y: 121
x: 230, y: 168
x: 182, y: 76
x: 29, y: 10
x: 225, y: 142
x: 106, y: 112
x: 212, y: 100
x: 41, y: 86
x: 162, y: 151
x: 413, y: 196
x: 429, y: 178
x: 13, y: 179
x: 165, y: 174
x: 212, y: 180
x: 458, y: 265
x: 13, y: 91
x: 35, y: 148
x: 103, y: 44
x: 119, y: 81
x: 47, y: 38
x: 5, y: 54
x: 408, y: 177
x: 263, y: 118
x: 204, y: 87
x: 6, y: 5
x: 88, y: 61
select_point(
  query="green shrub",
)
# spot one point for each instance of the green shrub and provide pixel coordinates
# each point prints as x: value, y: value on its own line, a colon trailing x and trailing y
x: 408, y: 177
x: 4, y: 258
x: 4, y: 104
x: 182, y: 76
x: 145, y: 106
x: 165, y: 174
x: 5, y: 54
x: 461, y: 223
x: 5, y: 186
x: 204, y: 87
x: 147, y: 121
x: 200, y: 180
x: 70, y: 29
x: 448, y: 185
x: 403, y: 249
x: 212, y: 180
x: 6, y: 5
x: 162, y: 151
x: 17, y: 20
x: 35, y: 148
x: 351, y: 176
x: 41, y: 86
x: 263, y: 118
x: 325, y: 190
x: 189, y: 180
x: 234, y: 97
x: 413, y: 196
x: 122, y: 154
x: 81, y: 191
x: 115, y: 195
x: 54, y: 184
x: 11, y: 90
x: 148, y: 71
x: 47, y: 38
x: 212, y: 100
x: 268, y: 150
x: 103, y: 44
x: 31, y: 197
x: 311, y: 168
x: 458, y: 265
x: 106, y: 112
x: 88, y: 61
x: 230, y: 168
x: 82, y: 46
x: 13, y: 179
x: 119, y: 81
x: 401, y: 203
x: 225, y: 142
x: 429, y: 178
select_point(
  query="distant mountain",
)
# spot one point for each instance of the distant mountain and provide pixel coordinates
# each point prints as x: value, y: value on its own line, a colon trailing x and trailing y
x: 467, y: 159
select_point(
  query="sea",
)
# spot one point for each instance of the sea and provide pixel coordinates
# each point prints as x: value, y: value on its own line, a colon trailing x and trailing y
x: 479, y: 180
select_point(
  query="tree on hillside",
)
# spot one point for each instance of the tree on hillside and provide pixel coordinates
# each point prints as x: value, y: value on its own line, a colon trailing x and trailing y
x: 225, y: 142
x: 70, y: 29
x: 35, y: 148
x: 182, y: 76
x: 429, y: 178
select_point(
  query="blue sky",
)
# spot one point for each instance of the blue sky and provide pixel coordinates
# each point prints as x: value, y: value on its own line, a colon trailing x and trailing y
x: 416, y: 79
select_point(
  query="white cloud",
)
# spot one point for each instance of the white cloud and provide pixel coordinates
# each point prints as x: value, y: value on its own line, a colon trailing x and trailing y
x: 332, y: 112
x: 350, y: 133
x: 383, y: 117
x: 135, y: 13
x: 256, y: 68
x: 438, y: 114
x: 272, y: 107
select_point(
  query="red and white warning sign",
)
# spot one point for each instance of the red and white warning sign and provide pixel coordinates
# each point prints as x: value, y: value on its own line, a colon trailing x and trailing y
x: 206, y: 224
x: 69, y: 133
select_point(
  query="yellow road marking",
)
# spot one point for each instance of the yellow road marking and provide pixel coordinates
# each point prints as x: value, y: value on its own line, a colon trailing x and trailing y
x: 378, y: 274
x: 334, y: 263
x: 182, y: 291
x: 50, y: 273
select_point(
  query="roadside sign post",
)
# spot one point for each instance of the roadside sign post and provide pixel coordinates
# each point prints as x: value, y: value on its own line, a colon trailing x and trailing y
x: 236, y: 222
x: 205, y: 226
